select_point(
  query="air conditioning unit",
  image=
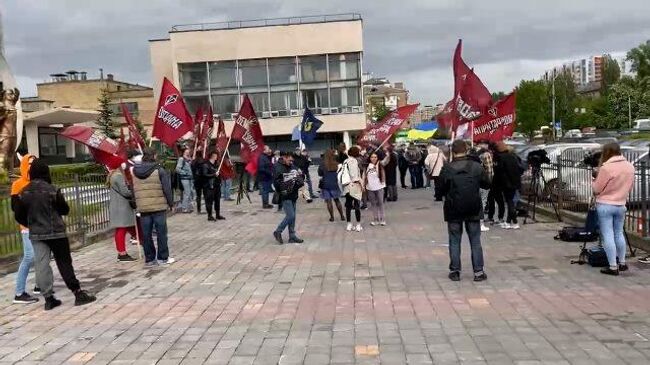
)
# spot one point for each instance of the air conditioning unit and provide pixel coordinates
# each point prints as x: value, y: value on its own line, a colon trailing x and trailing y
x: 334, y: 111
x: 266, y: 115
x: 275, y: 114
x: 295, y: 113
x: 356, y: 109
x: 325, y: 111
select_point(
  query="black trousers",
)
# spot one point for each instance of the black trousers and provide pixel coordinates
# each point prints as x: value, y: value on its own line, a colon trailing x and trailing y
x: 213, y: 199
x: 199, y: 192
x: 350, y: 204
x: 509, y: 196
x: 402, y: 175
x: 437, y: 186
x: 495, y: 196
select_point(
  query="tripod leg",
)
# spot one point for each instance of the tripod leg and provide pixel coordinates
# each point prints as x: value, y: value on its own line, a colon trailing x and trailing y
x: 629, y: 245
x: 554, y: 204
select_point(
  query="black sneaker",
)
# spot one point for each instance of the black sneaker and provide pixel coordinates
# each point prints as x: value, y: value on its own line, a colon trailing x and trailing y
x: 623, y: 267
x: 454, y: 276
x: 295, y: 240
x: 278, y: 237
x: 331, y: 219
x: 211, y: 219
x: 608, y: 271
x: 25, y: 298
x: 51, y: 303
x: 125, y: 258
x: 481, y: 277
x: 37, y: 290
x: 267, y: 206
x: 220, y: 218
x: 82, y: 297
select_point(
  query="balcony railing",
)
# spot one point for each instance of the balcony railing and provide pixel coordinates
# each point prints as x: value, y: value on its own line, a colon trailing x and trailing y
x: 238, y: 24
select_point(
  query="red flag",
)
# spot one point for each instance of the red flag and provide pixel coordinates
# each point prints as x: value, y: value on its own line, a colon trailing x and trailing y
x: 134, y: 133
x: 247, y: 131
x: 103, y: 149
x: 499, y: 121
x: 172, y: 119
x: 445, y: 118
x: 227, y: 170
x: 379, y: 132
x: 471, y: 97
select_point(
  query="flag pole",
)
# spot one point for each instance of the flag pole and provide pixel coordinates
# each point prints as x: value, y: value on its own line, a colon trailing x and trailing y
x: 382, y: 143
x: 471, y: 132
x: 223, y: 154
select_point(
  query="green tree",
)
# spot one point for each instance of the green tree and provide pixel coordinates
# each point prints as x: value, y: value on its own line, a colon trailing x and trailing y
x: 611, y: 73
x: 105, y: 120
x: 379, y: 112
x: 532, y: 106
x: 627, y: 96
x: 640, y: 58
x: 565, y: 99
x: 498, y: 95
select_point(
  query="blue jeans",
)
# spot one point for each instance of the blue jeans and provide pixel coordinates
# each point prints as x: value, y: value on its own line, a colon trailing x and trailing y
x: 417, y: 179
x: 266, y: 187
x: 149, y: 221
x: 455, y: 230
x: 186, y: 202
x: 308, y: 183
x: 289, y: 207
x: 25, y: 264
x: 226, y: 187
x: 611, y: 219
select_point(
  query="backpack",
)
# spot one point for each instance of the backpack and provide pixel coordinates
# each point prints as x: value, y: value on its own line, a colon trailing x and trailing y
x: 343, y: 175
x: 464, y: 193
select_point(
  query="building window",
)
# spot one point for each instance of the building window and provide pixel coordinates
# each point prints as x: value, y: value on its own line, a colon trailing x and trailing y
x: 50, y: 143
x: 282, y: 102
x: 260, y: 102
x: 344, y: 66
x: 315, y: 99
x: 193, y: 76
x: 131, y: 107
x: 253, y: 73
x: 344, y: 96
x: 225, y: 105
x: 282, y: 71
x: 223, y: 74
x: 313, y: 69
x: 193, y: 103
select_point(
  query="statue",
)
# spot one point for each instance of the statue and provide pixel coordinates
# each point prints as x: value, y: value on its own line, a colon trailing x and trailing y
x: 8, y: 128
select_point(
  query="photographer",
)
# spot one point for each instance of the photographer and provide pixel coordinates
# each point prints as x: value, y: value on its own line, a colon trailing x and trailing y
x: 612, y: 185
x: 507, y: 177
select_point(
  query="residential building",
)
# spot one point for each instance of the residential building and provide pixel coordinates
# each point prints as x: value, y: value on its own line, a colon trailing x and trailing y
x: 72, y: 98
x: 588, y: 72
x: 283, y: 65
x: 424, y: 113
x: 381, y: 92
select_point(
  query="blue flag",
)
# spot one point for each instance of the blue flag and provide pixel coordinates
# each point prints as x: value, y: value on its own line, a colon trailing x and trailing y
x: 295, y: 134
x: 308, y: 128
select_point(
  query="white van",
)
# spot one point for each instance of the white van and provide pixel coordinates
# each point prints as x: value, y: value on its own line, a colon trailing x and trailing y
x: 642, y: 124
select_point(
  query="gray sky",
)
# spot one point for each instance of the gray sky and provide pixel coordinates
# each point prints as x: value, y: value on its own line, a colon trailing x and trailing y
x: 408, y: 40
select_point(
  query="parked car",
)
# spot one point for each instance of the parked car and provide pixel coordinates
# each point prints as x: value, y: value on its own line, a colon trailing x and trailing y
x: 642, y: 124
x: 602, y: 140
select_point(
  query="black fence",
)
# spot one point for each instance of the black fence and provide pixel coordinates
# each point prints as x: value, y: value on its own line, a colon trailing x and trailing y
x: 566, y: 184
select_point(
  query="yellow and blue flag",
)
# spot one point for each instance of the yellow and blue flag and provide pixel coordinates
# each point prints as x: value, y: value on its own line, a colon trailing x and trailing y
x: 308, y: 128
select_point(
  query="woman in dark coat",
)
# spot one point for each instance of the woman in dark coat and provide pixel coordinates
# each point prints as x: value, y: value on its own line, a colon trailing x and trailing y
x: 390, y: 169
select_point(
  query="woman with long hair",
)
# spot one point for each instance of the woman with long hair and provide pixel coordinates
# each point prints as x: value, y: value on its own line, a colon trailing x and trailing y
x: 354, y: 190
x: 374, y: 180
x: 122, y: 215
x: 611, y: 187
x: 329, y: 186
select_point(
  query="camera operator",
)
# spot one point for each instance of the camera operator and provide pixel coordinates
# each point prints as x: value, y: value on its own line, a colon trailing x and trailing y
x: 612, y: 185
x: 507, y: 176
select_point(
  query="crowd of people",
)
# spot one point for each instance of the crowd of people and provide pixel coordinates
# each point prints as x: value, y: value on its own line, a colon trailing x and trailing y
x: 480, y: 186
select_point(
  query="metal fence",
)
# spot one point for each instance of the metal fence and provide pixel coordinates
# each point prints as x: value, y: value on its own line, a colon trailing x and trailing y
x: 87, y: 196
x: 566, y: 184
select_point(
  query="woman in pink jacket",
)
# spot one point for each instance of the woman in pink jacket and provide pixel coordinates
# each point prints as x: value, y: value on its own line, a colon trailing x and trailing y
x: 611, y: 188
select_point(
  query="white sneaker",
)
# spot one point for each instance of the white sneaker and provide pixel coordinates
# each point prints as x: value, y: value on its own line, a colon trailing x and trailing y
x: 169, y: 261
x: 373, y: 223
x: 349, y: 227
x: 505, y: 225
x: 383, y: 223
x: 358, y: 228
x: 514, y: 226
x: 484, y: 228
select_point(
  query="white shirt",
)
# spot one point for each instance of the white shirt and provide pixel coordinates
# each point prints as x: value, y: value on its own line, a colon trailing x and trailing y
x: 372, y: 175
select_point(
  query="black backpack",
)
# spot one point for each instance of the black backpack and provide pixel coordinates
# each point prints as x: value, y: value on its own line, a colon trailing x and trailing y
x: 464, y: 195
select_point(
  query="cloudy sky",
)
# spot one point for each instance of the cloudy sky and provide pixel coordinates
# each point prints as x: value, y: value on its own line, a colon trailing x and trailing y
x: 408, y: 40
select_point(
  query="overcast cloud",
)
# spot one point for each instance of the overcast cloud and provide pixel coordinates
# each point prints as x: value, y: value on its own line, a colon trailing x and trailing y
x: 409, y: 40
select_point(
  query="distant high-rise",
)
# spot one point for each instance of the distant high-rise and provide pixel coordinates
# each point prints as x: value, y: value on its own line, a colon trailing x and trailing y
x: 589, y: 70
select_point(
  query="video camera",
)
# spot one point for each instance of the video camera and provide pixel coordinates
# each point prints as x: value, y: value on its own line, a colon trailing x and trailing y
x: 592, y: 159
x: 537, y: 158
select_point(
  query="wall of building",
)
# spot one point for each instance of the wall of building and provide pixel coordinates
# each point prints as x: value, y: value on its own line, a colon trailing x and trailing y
x: 76, y: 95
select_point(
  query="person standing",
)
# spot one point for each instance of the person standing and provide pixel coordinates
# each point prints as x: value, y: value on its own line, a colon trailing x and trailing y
x: 197, y: 167
x: 413, y: 156
x: 153, y: 195
x: 341, y: 154
x: 40, y: 207
x: 403, y: 166
x: 612, y: 186
x: 354, y: 190
x: 121, y: 214
x: 288, y: 180
x: 426, y: 179
x: 374, y: 180
x: 461, y: 181
x: 302, y: 162
x: 391, y: 174
x: 487, y: 162
x: 212, y: 186
x: 22, y: 297
x: 184, y: 171
x: 433, y: 165
x: 329, y: 187
x: 507, y: 172
x: 265, y: 176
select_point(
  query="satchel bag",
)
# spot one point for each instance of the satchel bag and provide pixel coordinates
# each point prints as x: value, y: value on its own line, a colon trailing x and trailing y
x: 276, y: 198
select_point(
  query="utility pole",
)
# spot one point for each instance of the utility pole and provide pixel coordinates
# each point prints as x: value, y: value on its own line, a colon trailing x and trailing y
x: 629, y: 109
x: 553, y: 108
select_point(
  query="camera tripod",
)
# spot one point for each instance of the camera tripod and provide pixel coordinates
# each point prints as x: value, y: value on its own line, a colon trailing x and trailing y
x: 533, y: 196
x: 243, y: 189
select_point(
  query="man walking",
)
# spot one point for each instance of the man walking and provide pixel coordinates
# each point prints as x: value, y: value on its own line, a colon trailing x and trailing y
x: 403, y: 166
x: 40, y: 207
x: 184, y: 171
x: 153, y: 195
x: 288, y: 180
x: 413, y: 157
x: 212, y: 187
x: 461, y: 181
x: 265, y: 175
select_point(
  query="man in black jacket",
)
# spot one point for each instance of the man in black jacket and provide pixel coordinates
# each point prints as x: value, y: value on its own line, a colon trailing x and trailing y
x: 302, y: 161
x: 265, y: 176
x: 40, y: 207
x: 212, y: 186
x: 461, y: 182
x: 507, y: 176
x: 288, y: 180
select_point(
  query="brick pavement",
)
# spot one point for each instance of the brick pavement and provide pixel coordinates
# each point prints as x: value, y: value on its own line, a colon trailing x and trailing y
x: 377, y: 297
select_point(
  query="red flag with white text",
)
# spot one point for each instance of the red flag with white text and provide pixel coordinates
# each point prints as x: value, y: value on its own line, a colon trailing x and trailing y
x: 248, y: 132
x: 471, y: 97
x: 172, y: 120
x: 227, y: 170
x: 377, y: 133
x: 499, y: 122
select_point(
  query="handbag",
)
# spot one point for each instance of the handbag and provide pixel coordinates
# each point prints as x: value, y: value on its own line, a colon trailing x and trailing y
x: 276, y: 198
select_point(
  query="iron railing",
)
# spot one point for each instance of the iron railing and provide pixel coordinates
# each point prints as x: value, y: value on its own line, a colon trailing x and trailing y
x: 254, y: 23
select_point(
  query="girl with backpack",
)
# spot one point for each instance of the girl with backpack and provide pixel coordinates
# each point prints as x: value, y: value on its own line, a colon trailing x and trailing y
x: 353, y: 189
x: 374, y: 181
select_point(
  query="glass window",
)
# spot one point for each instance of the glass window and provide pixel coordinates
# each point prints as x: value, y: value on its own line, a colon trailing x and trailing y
x: 283, y: 102
x: 344, y: 66
x: 225, y: 104
x: 50, y: 143
x: 193, y: 103
x: 253, y: 72
x: 260, y: 103
x: 282, y: 71
x: 223, y: 74
x: 193, y: 76
x: 313, y: 69
x: 315, y: 99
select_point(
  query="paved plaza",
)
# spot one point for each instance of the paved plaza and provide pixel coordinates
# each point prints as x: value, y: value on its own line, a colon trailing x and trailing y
x: 377, y: 297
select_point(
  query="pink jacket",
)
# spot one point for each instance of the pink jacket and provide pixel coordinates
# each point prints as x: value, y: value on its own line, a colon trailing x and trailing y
x: 614, y: 181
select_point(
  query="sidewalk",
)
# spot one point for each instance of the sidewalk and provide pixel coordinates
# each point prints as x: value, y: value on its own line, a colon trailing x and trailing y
x: 377, y: 297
